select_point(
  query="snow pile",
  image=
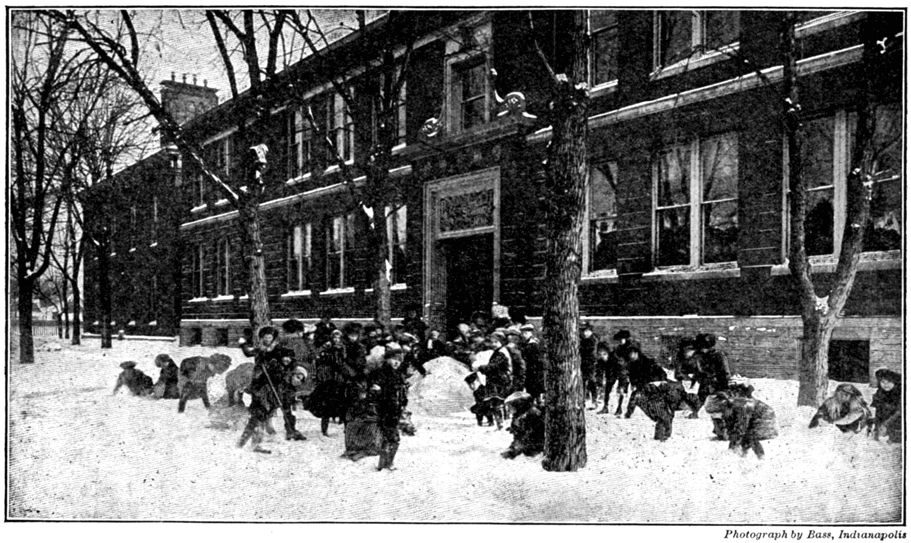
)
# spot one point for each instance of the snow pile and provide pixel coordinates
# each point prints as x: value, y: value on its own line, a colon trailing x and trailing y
x: 443, y: 391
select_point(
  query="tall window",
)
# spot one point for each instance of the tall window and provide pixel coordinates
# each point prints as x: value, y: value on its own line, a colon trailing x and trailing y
x: 221, y: 157
x: 396, y: 234
x: 223, y: 270
x: 696, y: 202
x: 398, y: 118
x: 681, y: 34
x: 603, y: 28
x: 602, y: 218
x: 299, y: 144
x: 198, y: 273
x: 133, y: 222
x: 200, y: 190
x: 299, y: 257
x: 340, y: 243
x: 829, y: 142
x: 470, y: 94
x: 341, y: 127
x: 153, y: 299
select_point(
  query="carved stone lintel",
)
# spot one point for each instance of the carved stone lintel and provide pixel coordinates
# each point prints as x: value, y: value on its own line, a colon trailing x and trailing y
x: 466, y: 211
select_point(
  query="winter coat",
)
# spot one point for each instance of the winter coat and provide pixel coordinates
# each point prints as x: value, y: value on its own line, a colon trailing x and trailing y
x: 518, y: 367
x: 322, y: 334
x: 588, y: 353
x: 168, y: 382
x: 330, y: 363
x: 135, y: 380
x: 392, y: 396
x: 888, y: 405
x: 748, y: 418
x: 416, y: 327
x: 616, y: 367
x: 645, y: 370
x: 534, y: 367
x: 497, y: 371
x: 527, y: 433
x: 713, y: 373
x: 270, y: 378
x: 833, y: 410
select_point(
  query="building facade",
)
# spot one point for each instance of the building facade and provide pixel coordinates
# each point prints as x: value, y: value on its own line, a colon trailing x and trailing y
x: 686, y: 215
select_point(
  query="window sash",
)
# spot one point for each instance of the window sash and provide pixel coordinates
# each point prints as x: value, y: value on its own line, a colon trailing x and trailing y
x: 397, y: 242
x: 603, y: 218
x: 604, y: 30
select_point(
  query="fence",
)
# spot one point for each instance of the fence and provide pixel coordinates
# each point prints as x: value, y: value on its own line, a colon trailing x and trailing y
x: 40, y: 328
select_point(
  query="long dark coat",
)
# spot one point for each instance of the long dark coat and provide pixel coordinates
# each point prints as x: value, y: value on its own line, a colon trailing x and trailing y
x: 534, y: 367
x: 497, y: 371
x: 168, y: 381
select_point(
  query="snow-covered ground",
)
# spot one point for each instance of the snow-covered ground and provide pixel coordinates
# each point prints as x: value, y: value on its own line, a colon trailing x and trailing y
x: 75, y: 451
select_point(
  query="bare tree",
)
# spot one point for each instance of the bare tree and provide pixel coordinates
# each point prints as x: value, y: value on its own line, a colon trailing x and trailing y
x: 566, y: 183
x: 46, y: 73
x: 821, y: 305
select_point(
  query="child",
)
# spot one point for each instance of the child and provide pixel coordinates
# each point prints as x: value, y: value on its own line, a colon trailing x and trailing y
x: 479, y: 390
x: 587, y: 345
x: 498, y: 373
x: 194, y: 377
x: 135, y: 380
x: 659, y: 400
x: 747, y: 420
x: 846, y: 409
x: 527, y: 426
x: 887, y: 402
x: 615, y: 370
x: 268, y: 373
x: 391, y: 392
x: 167, y: 386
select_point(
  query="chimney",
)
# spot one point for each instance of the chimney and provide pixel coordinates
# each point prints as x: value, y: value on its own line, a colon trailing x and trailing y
x: 194, y: 79
x: 205, y: 83
x: 172, y: 76
x: 184, y: 77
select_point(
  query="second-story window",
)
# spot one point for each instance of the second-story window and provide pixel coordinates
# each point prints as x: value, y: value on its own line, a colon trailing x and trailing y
x: 341, y: 127
x: 299, y: 144
x: 602, y: 25
x: 602, y: 218
x: 153, y: 299
x: 684, y: 34
x: 696, y: 202
x: 398, y: 118
x: 469, y: 94
x: 199, y: 194
x: 340, y: 243
x: 397, y: 236
x: 299, y: 257
x: 133, y: 223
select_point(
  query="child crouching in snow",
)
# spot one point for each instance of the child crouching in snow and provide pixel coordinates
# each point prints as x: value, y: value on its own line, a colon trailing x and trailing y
x: 527, y: 426
x: 846, y: 409
x: 887, y: 401
x: 135, y: 380
x: 747, y: 420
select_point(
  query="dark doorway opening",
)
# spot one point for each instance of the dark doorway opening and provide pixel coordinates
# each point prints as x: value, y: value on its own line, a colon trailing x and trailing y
x: 469, y: 277
x: 849, y: 360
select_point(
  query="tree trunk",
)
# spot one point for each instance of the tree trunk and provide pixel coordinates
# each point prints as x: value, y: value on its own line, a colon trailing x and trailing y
x: 26, y: 341
x: 77, y: 319
x: 380, y: 264
x: 104, y: 294
x: 256, y: 266
x: 564, y: 442
x: 814, y: 358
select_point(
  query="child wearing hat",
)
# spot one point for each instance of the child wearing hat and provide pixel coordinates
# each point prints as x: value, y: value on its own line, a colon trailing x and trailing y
x: 588, y: 344
x: 513, y: 341
x: 534, y: 364
x: 527, y: 426
x: 615, y: 369
x: 167, y: 385
x: 390, y: 389
x: 497, y: 371
x: 846, y: 409
x: 887, y: 402
x: 747, y: 420
x: 135, y: 380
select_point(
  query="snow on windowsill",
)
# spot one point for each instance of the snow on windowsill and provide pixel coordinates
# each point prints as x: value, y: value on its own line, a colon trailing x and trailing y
x: 153, y: 323
x: 198, y: 300
x: 198, y: 208
x: 299, y: 179
x: 874, y: 260
x: 684, y: 273
x: 601, y: 276
x: 153, y: 244
x: 222, y: 202
x: 132, y: 249
x: 397, y: 286
x: 223, y: 298
x: 335, y: 291
x: 296, y: 293
x: 604, y: 88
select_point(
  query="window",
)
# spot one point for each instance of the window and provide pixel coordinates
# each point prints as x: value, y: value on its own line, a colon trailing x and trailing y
x: 299, y: 145
x: 829, y: 142
x: 680, y: 35
x: 849, y: 360
x: 221, y: 337
x: 470, y: 94
x: 396, y: 234
x: 696, y: 203
x: 602, y: 218
x: 398, y: 118
x: 299, y: 257
x: 223, y: 269
x: 197, y: 275
x: 154, y: 226
x: 603, y: 27
x: 339, y: 244
x: 341, y: 127
x: 133, y: 221
x: 200, y: 190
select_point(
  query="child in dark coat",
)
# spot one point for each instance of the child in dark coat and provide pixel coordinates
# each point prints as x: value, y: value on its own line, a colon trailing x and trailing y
x: 527, y: 426
x: 659, y: 401
x: 846, y: 409
x: 481, y: 408
x: 135, y: 380
x: 887, y: 401
x: 747, y: 420
x: 194, y: 377
x: 612, y: 364
x: 167, y: 386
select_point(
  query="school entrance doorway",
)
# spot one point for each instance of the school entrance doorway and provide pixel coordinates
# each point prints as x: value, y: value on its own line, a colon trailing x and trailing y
x: 461, y: 247
x: 469, y: 277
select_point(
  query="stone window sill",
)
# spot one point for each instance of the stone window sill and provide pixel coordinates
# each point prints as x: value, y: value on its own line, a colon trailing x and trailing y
x: 877, y: 260
x: 296, y: 294
x: 719, y: 271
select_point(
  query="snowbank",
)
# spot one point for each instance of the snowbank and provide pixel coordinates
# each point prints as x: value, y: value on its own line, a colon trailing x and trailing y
x: 442, y: 392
